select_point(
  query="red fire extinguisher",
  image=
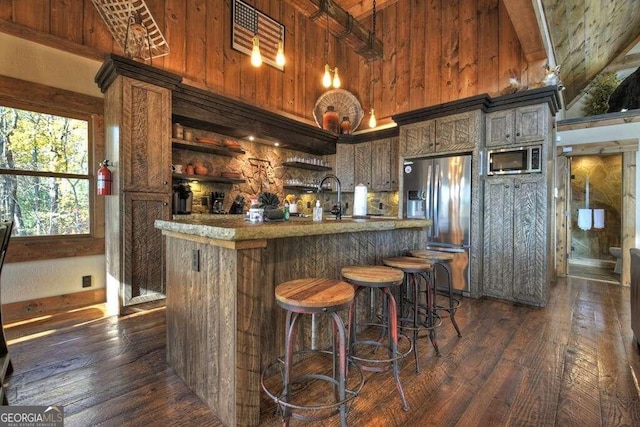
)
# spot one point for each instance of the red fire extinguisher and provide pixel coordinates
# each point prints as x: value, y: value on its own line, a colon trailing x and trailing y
x: 104, y: 179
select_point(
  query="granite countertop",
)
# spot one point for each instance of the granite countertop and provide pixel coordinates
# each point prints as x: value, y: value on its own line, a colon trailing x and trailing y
x: 235, y: 228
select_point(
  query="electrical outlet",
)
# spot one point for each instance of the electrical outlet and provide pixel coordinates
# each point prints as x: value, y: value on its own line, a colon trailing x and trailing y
x: 195, y: 259
x: 86, y: 281
x: 380, y: 206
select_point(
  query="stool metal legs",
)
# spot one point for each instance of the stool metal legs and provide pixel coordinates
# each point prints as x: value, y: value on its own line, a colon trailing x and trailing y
x: 453, y: 303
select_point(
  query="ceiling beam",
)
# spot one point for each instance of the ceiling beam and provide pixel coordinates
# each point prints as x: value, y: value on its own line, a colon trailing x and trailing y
x: 360, y: 11
x: 342, y: 25
x: 523, y: 18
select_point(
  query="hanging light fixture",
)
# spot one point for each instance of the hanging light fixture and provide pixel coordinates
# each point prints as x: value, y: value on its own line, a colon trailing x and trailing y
x: 327, y: 80
x: 256, y: 57
x: 372, y: 120
x: 280, y: 60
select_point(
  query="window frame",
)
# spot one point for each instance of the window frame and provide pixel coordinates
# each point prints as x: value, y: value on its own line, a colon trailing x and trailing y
x: 24, y: 95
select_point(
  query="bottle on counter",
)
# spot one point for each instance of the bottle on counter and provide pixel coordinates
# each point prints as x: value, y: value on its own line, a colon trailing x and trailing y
x: 317, y: 212
x: 286, y: 211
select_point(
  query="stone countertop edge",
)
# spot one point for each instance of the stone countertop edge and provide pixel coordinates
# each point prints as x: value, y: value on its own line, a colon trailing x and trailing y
x: 238, y: 229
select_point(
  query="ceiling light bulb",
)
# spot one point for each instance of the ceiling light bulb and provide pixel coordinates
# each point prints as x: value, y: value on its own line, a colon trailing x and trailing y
x: 256, y: 58
x: 326, y: 79
x: 280, y: 55
x: 372, y: 120
x: 336, y: 78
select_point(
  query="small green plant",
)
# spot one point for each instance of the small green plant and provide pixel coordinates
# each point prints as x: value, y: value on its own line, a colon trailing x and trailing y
x: 599, y: 92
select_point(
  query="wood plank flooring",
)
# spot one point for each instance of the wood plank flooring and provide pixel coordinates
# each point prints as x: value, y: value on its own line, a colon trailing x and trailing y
x: 573, y: 363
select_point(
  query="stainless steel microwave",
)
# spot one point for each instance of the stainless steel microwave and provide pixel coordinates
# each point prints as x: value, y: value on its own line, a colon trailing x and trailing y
x: 515, y: 160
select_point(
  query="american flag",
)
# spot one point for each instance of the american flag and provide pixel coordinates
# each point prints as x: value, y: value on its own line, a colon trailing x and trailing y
x: 245, y: 20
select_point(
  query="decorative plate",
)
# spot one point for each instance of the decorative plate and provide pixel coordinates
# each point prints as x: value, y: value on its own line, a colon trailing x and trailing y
x: 344, y: 102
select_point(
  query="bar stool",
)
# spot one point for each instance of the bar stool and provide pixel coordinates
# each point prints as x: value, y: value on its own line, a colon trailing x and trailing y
x: 382, y: 278
x: 414, y: 270
x: 313, y: 296
x: 442, y: 259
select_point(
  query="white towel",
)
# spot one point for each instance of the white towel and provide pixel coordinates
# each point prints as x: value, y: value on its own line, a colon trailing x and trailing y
x: 584, y: 219
x: 598, y: 218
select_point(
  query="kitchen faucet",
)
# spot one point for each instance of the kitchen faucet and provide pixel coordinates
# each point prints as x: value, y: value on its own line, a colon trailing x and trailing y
x: 338, y: 209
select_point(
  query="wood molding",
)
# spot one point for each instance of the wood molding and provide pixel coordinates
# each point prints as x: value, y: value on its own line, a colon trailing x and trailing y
x: 609, y: 147
x: 21, y: 310
x: 600, y: 120
x: 342, y: 25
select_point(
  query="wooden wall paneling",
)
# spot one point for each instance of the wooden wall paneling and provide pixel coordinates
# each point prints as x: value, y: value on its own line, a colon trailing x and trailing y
x: 95, y: 33
x: 276, y: 77
x: 314, y: 60
x: 156, y: 7
x: 387, y: 23
x: 6, y: 10
x: 232, y: 58
x: 300, y: 70
x: 175, y: 34
x: 562, y: 178
x: 290, y: 76
x: 34, y: 14
x: 214, y: 62
x: 629, y: 192
x: 450, y: 51
x: 509, y: 48
x: 65, y: 17
x: 403, y: 39
x: 417, y: 57
x: 468, y: 83
x: 195, y: 41
x: 488, y: 54
x: 433, y: 53
x: 364, y: 87
x: 263, y: 75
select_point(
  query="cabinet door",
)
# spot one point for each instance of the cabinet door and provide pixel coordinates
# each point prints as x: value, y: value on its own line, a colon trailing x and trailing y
x: 498, y: 238
x: 457, y: 132
x: 145, y: 138
x: 394, y: 162
x: 362, y: 166
x: 344, y: 166
x: 530, y: 123
x: 143, y: 247
x: 500, y: 128
x: 381, y: 165
x: 418, y: 139
x: 529, y: 239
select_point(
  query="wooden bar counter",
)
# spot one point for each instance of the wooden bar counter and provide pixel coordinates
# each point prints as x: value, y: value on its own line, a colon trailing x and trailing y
x: 223, y: 325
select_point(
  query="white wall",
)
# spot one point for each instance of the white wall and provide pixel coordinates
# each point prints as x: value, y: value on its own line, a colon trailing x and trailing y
x: 627, y: 131
x: 29, y: 61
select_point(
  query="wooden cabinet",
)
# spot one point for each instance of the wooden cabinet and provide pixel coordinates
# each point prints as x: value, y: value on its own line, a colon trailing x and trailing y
x: 344, y: 166
x: 384, y: 164
x: 138, y: 139
x: 515, y: 239
x: 362, y: 164
x: 450, y: 134
x: 521, y: 125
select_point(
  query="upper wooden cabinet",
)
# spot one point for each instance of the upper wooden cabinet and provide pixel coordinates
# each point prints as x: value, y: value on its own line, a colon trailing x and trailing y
x: 450, y: 134
x: 344, y: 166
x: 384, y: 164
x: 362, y: 164
x: 520, y: 125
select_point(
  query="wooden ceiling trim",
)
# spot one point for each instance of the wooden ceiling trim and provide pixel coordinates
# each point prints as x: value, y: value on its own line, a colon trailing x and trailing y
x: 342, y: 25
x: 523, y: 18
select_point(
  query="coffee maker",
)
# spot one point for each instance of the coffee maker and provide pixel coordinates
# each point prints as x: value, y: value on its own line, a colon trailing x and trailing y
x: 182, y: 199
x: 217, y: 200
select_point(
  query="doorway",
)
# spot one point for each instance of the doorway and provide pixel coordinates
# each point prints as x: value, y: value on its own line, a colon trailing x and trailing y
x: 595, y: 211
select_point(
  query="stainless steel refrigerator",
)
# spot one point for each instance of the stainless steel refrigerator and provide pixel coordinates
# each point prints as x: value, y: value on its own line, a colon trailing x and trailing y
x: 440, y: 189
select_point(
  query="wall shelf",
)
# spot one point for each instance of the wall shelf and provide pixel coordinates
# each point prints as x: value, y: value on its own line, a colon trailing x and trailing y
x: 309, y: 166
x: 207, y: 178
x: 305, y: 188
x: 207, y: 148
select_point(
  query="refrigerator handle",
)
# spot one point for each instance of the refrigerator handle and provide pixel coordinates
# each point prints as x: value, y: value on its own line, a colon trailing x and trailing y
x: 436, y: 202
x: 428, y: 199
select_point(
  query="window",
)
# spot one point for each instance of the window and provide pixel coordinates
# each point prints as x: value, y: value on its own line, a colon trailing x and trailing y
x: 44, y: 172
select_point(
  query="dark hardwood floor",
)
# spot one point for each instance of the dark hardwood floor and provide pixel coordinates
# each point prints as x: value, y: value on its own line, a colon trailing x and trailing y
x: 572, y: 363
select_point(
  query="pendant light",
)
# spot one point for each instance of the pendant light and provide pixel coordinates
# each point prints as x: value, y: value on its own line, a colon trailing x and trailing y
x: 280, y: 60
x: 372, y: 120
x: 256, y: 57
x: 327, y: 80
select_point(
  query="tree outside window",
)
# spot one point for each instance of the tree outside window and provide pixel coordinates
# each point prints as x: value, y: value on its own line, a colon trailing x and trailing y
x: 44, y: 173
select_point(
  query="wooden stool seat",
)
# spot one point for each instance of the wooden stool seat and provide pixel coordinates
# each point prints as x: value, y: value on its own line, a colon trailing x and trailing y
x: 409, y: 264
x: 314, y: 294
x: 433, y: 255
x: 372, y: 275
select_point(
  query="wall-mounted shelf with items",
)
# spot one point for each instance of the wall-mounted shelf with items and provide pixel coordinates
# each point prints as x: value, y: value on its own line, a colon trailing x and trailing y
x: 207, y: 178
x: 304, y: 188
x: 308, y: 166
x: 207, y: 148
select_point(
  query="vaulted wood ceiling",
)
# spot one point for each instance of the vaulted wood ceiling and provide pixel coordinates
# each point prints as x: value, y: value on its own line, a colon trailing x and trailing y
x: 587, y: 36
